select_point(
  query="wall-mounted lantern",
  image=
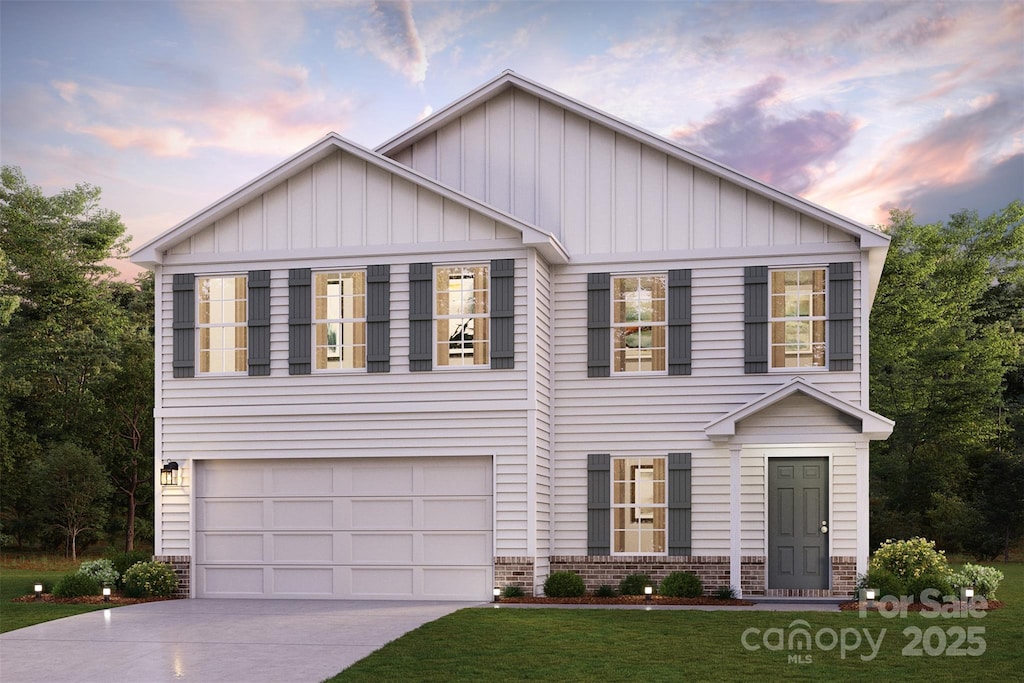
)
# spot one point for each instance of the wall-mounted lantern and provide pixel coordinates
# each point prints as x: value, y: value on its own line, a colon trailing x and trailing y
x: 169, y: 474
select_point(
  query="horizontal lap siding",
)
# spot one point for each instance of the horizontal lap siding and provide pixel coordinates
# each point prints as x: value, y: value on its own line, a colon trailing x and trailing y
x: 655, y: 415
x: 543, y: 404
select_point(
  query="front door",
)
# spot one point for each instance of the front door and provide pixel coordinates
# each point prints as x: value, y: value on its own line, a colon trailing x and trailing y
x: 798, y: 523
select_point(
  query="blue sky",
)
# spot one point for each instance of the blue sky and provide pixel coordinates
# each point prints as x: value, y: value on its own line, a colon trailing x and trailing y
x: 858, y: 106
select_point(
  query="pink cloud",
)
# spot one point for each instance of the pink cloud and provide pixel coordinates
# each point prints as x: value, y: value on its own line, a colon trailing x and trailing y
x: 159, y: 141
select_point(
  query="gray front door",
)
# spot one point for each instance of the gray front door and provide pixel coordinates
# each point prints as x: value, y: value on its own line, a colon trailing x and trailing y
x: 798, y: 523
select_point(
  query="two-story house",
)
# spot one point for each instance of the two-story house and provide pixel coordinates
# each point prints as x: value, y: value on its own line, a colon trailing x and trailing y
x: 519, y: 337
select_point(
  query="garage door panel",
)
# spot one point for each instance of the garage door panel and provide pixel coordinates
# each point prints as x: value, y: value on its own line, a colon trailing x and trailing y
x: 470, y: 548
x: 302, y: 481
x: 402, y: 528
x: 382, y: 548
x: 229, y: 514
x: 455, y: 584
x: 381, y: 581
x: 382, y: 514
x: 391, y: 479
x: 234, y: 548
x: 231, y: 479
x: 302, y: 514
x: 233, y: 581
x: 303, y: 548
x: 305, y: 582
x: 456, y: 513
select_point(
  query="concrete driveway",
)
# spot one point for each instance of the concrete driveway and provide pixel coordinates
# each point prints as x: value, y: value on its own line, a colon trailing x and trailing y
x: 211, y: 640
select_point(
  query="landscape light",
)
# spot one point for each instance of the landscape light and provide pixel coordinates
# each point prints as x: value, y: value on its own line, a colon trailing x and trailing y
x: 968, y: 592
x: 648, y: 591
x: 39, y: 591
x: 106, y: 594
x: 497, y: 594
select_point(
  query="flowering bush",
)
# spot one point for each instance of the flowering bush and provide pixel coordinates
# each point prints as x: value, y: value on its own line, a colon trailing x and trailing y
x: 144, y: 579
x: 910, y: 559
x: 985, y: 580
x: 101, y: 570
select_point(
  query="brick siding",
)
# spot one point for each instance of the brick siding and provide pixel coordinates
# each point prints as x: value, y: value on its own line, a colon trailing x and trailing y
x: 514, y: 571
x: 181, y: 564
x: 599, y: 571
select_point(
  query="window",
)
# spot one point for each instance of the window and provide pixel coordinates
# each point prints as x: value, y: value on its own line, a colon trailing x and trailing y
x: 339, y: 310
x: 797, y: 318
x: 639, y: 509
x: 461, y: 316
x: 638, y: 323
x: 223, y: 331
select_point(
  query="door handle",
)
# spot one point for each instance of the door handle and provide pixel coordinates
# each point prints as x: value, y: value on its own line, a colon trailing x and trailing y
x: 824, y: 526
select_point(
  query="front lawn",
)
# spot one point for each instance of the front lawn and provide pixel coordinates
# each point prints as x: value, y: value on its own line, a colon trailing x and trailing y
x: 15, y: 583
x: 660, y: 645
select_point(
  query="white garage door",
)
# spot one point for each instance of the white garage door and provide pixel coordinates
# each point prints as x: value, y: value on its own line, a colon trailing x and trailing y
x: 404, y: 528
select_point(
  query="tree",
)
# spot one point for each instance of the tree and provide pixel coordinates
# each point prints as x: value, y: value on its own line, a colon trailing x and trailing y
x: 77, y: 487
x: 70, y: 331
x: 946, y: 333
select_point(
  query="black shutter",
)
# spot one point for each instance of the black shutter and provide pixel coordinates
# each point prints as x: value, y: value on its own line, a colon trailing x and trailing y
x: 259, y: 323
x: 755, y: 319
x: 300, y: 321
x: 840, y: 316
x: 421, y: 316
x: 679, y: 333
x: 599, y: 504
x: 599, y: 311
x: 503, y: 315
x: 183, y: 303
x: 378, y: 319
x: 679, y: 521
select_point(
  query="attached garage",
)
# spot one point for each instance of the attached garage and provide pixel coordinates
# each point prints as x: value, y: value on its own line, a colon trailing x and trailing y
x: 383, y: 528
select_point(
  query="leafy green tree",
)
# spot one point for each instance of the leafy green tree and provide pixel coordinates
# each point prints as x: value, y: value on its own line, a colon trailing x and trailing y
x: 75, y: 483
x: 946, y: 334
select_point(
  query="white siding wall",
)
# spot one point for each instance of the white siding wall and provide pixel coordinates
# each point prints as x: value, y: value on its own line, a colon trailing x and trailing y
x: 446, y: 412
x: 598, y: 191
x: 174, y: 514
x: 541, y: 404
x: 656, y: 414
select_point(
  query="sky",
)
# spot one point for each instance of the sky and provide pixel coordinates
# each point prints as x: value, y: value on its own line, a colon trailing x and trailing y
x: 860, y: 107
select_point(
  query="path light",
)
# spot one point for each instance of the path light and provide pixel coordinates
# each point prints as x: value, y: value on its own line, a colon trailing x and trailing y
x: 648, y: 591
x: 169, y: 474
x: 869, y: 595
x: 39, y: 591
x: 497, y: 594
x: 967, y: 593
x: 106, y: 594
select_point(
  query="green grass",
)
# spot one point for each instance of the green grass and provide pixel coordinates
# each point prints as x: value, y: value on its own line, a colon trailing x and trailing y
x: 618, y: 645
x: 17, y: 582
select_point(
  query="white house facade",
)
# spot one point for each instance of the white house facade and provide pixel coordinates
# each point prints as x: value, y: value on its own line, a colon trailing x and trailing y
x: 521, y: 336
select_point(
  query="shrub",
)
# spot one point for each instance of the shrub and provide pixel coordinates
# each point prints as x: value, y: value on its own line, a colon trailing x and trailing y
x: 144, y: 579
x: 725, y: 593
x: 910, y: 559
x: 101, y: 570
x: 682, y: 585
x: 918, y: 584
x: 984, y: 579
x: 634, y: 584
x: 512, y: 592
x: 605, y: 591
x: 564, y: 585
x: 123, y: 560
x: 884, y: 581
x: 75, y: 586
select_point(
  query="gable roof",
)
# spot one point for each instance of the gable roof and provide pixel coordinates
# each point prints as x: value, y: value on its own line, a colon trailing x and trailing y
x: 152, y: 252
x: 872, y: 425
x: 868, y: 237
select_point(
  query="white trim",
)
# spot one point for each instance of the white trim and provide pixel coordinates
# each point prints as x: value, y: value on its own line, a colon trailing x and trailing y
x: 158, y: 425
x: 284, y: 410
x: 736, y: 518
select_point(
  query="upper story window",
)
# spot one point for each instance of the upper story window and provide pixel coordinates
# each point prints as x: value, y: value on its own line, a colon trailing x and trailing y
x: 339, y: 320
x: 639, y: 507
x: 461, y: 317
x: 797, y: 318
x: 223, y: 331
x: 638, y: 323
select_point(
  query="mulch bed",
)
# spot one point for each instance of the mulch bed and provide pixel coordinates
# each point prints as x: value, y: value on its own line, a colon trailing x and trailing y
x: 88, y: 599
x: 625, y: 600
x: 854, y: 605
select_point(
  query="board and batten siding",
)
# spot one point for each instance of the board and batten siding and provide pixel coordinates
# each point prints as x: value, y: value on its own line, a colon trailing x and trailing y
x: 646, y: 415
x: 445, y: 412
x: 340, y: 202
x: 597, y: 190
